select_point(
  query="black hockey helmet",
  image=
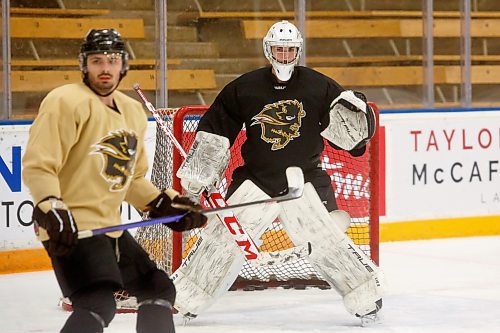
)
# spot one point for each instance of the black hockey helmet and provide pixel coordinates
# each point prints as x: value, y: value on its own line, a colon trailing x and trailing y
x: 103, y: 41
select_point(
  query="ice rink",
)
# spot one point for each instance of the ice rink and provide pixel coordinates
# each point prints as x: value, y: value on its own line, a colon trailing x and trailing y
x: 450, y: 285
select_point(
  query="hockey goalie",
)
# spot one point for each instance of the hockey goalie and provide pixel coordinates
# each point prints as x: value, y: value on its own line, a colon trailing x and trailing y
x: 287, y: 111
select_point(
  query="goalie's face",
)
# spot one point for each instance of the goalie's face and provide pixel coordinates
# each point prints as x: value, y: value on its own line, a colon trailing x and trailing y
x: 104, y: 72
x: 284, y: 54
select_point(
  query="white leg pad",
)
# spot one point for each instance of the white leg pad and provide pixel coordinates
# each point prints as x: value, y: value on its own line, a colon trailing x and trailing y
x: 215, y: 260
x: 339, y: 261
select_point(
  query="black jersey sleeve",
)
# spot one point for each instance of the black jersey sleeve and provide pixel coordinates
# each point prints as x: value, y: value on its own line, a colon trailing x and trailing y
x: 356, y: 151
x: 223, y: 118
x: 332, y: 91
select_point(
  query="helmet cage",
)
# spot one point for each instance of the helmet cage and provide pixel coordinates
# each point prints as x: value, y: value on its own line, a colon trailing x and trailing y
x: 285, y: 45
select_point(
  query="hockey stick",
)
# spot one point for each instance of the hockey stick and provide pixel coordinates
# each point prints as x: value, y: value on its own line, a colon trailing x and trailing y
x: 295, y: 190
x: 125, y: 226
x: 215, y: 199
x: 295, y: 179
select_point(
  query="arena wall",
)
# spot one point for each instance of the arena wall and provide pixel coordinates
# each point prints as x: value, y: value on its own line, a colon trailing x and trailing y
x: 439, y: 177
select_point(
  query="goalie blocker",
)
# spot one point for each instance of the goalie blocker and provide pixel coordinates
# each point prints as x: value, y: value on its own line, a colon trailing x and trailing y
x: 205, y: 163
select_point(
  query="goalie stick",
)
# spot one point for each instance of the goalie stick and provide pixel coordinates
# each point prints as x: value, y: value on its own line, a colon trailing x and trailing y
x: 294, y: 178
x: 215, y: 199
x: 295, y: 189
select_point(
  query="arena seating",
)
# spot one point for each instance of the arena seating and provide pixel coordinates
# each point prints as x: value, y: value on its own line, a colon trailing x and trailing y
x: 57, y: 12
x: 391, y: 72
x: 45, y: 42
x: 376, y: 48
x: 178, y: 79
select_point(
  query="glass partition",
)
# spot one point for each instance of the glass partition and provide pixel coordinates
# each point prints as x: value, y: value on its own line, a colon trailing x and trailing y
x: 371, y: 46
x: 184, y: 52
x: 379, y: 47
x: 225, y: 38
x: 5, y: 108
x: 46, y: 38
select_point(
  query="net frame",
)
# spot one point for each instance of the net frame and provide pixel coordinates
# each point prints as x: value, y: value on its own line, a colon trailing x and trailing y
x: 167, y: 160
x: 161, y: 242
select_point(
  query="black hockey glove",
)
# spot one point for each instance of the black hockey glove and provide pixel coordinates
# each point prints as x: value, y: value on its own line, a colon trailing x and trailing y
x: 54, y: 216
x: 162, y: 206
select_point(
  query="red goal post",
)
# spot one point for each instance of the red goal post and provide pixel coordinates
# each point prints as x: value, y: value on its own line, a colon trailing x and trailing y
x: 354, y: 179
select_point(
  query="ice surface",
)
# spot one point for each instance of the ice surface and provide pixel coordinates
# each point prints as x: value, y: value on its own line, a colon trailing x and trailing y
x: 435, y: 286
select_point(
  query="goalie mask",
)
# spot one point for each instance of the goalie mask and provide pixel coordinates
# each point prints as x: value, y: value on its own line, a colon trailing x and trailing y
x: 283, y: 47
x: 103, y: 41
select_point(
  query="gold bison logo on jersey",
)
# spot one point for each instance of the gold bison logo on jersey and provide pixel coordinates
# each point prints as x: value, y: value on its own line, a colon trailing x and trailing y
x: 118, y: 150
x: 280, y: 122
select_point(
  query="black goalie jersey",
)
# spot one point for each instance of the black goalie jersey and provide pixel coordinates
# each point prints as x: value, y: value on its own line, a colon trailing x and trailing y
x: 283, y: 122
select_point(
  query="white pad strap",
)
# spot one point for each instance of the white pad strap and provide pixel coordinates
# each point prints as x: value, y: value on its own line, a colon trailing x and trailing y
x: 341, y: 218
x: 348, y: 121
x: 204, y: 164
x: 334, y: 256
x: 215, y: 260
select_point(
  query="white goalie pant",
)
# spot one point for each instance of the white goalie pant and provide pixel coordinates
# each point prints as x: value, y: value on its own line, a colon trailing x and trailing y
x: 339, y: 261
x: 215, y: 260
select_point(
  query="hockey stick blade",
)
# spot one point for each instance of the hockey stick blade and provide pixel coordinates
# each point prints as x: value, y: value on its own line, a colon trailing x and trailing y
x: 295, y: 179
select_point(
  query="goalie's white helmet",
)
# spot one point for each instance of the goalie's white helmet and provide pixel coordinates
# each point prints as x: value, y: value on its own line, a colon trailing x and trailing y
x: 283, y: 35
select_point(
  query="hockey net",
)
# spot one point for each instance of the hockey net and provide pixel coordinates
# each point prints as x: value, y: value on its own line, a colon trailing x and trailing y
x: 354, y: 180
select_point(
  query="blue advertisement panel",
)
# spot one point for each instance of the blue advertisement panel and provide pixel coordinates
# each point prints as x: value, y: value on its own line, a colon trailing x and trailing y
x: 16, y: 206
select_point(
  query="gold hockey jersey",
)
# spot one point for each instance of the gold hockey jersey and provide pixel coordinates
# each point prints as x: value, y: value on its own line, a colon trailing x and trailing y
x: 89, y: 155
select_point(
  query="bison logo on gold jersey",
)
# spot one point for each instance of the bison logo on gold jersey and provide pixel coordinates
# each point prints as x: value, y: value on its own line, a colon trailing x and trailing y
x: 117, y: 150
x: 280, y: 122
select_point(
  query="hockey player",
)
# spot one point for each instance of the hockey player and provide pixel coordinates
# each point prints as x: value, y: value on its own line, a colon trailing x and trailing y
x: 84, y: 157
x: 287, y: 111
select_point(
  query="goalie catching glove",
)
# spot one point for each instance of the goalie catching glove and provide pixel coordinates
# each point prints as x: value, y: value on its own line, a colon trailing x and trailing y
x: 352, y: 121
x: 162, y: 206
x: 55, y: 217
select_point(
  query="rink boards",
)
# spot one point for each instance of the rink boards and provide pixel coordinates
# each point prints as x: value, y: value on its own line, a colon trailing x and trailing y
x: 439, y: 177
